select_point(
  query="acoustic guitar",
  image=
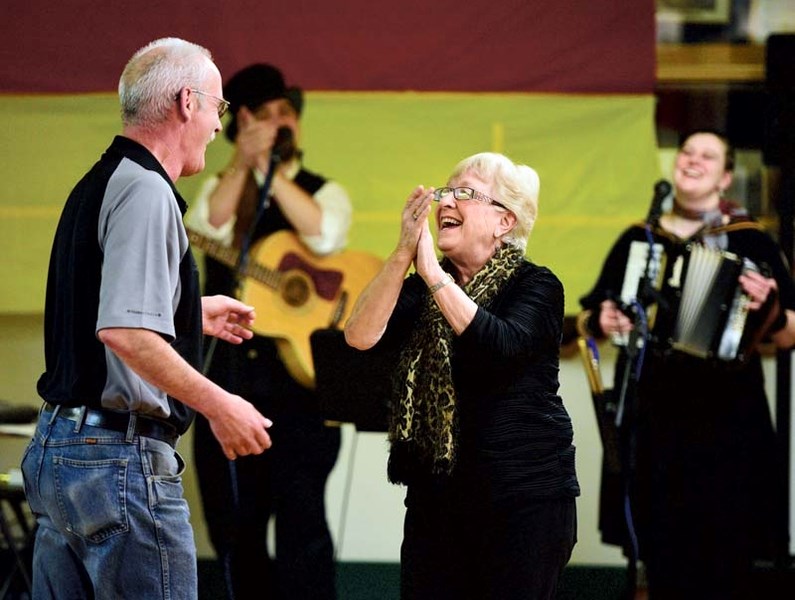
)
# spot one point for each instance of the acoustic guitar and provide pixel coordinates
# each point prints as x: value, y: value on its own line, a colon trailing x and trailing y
x: 295, y: 292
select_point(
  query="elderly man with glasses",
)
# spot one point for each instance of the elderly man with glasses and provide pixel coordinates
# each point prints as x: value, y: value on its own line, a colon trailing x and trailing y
x: 123, y: 331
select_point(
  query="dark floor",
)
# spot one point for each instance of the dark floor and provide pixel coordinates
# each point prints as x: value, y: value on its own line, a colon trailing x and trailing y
x: 380, y: 581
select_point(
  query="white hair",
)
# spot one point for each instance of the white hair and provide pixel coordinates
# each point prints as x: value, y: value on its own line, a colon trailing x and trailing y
x: 515, y: 186
x: 154, y: 76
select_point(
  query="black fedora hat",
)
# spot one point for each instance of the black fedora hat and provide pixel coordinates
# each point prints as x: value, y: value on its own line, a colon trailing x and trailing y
x: 254, y: 85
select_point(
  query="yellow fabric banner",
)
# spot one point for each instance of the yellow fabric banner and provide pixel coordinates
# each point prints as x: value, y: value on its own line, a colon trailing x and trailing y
x: 596, y: 156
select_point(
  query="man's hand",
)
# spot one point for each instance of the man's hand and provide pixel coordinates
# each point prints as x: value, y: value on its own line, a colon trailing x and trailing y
x: 254, y: 140
x: 227, y: 319
x: 239, y: 427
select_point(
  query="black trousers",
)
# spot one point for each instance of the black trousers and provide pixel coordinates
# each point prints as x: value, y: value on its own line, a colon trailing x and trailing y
x: 457, y: 547
x: 286, y: 484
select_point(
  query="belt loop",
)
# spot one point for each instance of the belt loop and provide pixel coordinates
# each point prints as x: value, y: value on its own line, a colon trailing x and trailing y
x: 131, y: 427
x: 80, y: 420
x: 54, y: 414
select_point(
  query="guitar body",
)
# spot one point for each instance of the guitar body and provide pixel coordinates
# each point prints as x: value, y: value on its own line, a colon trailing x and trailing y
x: 295, y: 292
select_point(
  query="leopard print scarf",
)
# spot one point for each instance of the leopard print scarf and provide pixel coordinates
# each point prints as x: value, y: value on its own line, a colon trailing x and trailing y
x: 423, y: 427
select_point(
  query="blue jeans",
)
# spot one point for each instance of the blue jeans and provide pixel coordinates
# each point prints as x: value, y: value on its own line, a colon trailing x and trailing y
x: 112, y: 519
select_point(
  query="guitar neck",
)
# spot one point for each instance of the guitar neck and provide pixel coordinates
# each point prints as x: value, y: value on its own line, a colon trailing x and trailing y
x: 230, y: 257
x: 224, y: 254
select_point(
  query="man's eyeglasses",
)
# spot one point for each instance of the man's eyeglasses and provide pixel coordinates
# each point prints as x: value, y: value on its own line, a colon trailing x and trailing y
x: 223, y: 105
x: 464, y: 193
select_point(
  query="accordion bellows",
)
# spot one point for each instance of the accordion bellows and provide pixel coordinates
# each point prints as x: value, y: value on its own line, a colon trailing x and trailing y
x: 713, y: 309
x: 701, y: 308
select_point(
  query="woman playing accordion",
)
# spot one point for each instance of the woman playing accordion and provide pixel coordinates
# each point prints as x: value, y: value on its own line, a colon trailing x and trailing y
x: 696, y: 497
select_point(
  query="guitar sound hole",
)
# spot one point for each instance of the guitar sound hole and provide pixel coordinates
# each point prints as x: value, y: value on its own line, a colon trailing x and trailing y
x: 295, y: 291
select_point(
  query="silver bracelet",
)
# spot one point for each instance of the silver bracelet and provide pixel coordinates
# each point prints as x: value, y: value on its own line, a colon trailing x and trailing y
x: 437, y: 286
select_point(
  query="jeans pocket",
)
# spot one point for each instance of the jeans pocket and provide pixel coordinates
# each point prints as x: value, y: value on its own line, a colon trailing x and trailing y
x: 166, y: 468
x: 90, y: 496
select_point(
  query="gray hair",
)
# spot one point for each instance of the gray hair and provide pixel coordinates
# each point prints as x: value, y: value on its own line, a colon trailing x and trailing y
x: 515, y: 186
x: 154, y: 76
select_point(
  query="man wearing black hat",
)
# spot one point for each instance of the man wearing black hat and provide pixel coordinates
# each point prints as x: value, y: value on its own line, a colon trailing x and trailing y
x: 264, y: 190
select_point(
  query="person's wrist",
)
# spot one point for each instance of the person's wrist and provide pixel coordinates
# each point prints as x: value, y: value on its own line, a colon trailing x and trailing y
x: 445, y: 280
x: 233, y: 170
x: 587, y: 323
x: 593, y: 323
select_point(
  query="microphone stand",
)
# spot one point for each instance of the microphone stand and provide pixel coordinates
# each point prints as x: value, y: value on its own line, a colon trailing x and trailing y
x: 240, y: 269
x: 626, y: 411
x: 245, y: 245
x: 262, y: 205
x: 626, y: 406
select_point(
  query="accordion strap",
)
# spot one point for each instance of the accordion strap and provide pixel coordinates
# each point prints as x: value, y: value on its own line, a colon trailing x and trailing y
x: 736, y: 227
x: 728, y: 228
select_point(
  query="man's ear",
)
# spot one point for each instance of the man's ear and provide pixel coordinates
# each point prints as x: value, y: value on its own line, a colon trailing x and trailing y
x: 186, y: 102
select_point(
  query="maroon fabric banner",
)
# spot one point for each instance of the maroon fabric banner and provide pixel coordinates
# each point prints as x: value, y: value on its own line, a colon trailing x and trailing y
x: 562, y: 46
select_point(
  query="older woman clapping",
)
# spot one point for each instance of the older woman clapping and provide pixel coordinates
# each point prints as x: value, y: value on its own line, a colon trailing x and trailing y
x: 478, y: 432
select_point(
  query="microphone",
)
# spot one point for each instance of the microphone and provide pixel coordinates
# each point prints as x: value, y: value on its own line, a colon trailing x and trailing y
x: 662, y: 189
x: 283, y: 146
x: 283, y: 149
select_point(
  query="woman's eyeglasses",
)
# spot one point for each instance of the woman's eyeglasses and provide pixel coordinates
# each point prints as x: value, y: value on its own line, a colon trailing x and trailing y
x: 464, y: 193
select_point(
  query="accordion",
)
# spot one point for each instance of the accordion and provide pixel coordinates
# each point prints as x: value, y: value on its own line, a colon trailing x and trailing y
x: 698, y: 306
